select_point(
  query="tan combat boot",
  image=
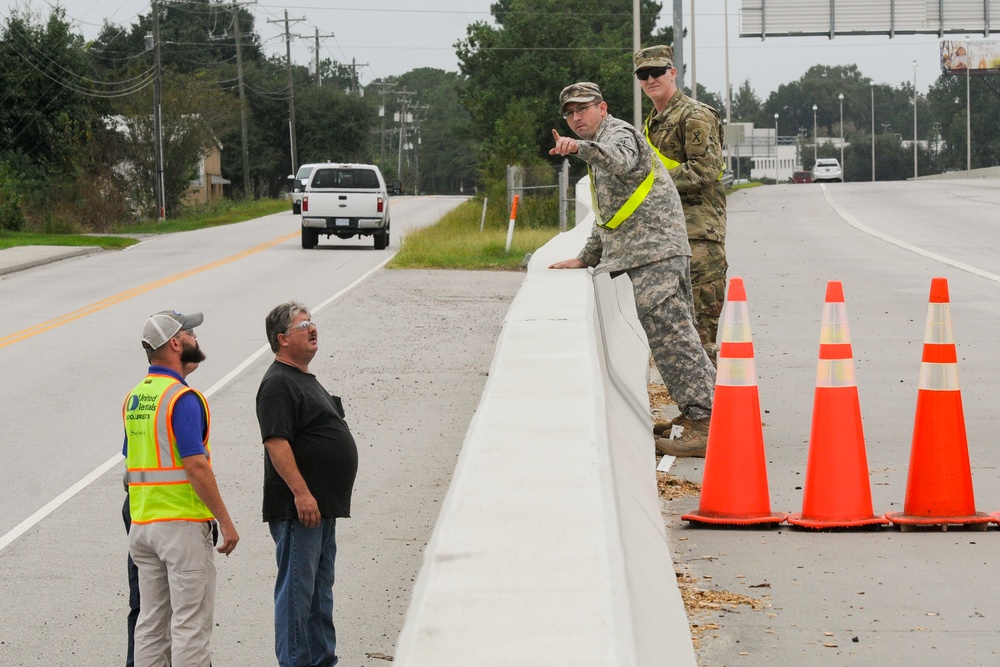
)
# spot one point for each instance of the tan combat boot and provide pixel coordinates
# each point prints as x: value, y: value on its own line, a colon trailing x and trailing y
x: 663, y: 429
x: 692, y: 442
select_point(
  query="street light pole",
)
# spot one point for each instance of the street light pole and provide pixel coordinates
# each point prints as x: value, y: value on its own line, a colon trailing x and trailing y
x: 842, y: 170
x: 873, y: 132
x: 914, y: 119
x: 968, y: 115
x: 775, y: 148
x: 815, y: 138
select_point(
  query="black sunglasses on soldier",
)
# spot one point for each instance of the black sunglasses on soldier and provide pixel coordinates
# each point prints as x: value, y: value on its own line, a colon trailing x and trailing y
x: 654, y: 72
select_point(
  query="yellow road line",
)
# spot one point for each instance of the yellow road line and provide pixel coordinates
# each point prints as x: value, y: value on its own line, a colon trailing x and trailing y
x: 135, y: 291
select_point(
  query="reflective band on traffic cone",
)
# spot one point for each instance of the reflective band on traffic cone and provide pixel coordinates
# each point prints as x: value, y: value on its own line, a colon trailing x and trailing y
x: 939, y: 483
x: 837, y: 490
x: 734, y: 486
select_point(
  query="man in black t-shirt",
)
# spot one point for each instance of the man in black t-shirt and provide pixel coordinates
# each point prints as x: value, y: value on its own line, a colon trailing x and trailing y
x: 310, y: 463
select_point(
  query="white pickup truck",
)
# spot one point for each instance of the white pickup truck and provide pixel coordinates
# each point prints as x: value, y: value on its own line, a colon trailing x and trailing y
x: 345, y: 200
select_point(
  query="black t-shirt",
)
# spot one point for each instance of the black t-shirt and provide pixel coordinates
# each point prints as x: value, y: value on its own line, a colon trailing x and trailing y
x: 293, y: 405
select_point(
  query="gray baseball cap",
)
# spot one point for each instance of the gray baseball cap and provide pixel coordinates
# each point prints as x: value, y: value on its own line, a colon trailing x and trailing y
x: 583, y: 91
x: 164, y: 325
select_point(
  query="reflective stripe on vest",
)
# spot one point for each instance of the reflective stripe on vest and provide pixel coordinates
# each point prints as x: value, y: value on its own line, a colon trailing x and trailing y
x: 630, y: 205
x: 669, y: 163
x: 159, y: 489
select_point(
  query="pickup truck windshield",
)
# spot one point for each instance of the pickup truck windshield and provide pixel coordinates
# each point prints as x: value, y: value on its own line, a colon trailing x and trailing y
x: 345, y: 178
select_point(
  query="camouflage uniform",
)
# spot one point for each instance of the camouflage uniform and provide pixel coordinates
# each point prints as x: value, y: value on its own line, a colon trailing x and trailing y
x: 651, y: 247
x: 690, y: 132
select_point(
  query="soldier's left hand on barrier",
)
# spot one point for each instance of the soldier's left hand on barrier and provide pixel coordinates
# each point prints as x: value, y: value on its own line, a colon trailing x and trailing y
x: 574, y: 263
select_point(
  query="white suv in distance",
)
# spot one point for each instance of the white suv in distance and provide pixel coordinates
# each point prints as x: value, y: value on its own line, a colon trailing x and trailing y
x: 827, y: 169
x: 298, y: 183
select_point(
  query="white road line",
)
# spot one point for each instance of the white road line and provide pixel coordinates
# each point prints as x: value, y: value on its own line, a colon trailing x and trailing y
x: 96, y: 473
x: 853, y: 222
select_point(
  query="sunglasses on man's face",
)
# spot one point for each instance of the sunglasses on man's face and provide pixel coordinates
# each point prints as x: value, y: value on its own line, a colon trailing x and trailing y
x: 654, y: 72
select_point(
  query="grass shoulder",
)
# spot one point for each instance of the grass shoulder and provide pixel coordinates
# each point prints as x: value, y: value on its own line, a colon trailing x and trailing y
x: 226, y: 213
x: 744, y: 186
x: 456, y: 243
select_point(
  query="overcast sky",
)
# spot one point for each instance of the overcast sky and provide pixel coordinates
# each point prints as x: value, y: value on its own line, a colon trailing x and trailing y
x: 391, y: 37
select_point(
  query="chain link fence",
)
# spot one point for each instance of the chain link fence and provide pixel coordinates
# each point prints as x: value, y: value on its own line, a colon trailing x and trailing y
x: 543, y: 193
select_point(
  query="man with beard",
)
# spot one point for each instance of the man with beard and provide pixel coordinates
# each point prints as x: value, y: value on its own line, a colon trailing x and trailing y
x: 175, y: 505
x: 639, y: 231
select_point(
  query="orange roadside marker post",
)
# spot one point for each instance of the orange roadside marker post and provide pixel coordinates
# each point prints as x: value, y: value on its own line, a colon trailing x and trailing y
x: 734, y: 486
x: 510, y: 225
x: 837, y: 489
x: 939, y: 483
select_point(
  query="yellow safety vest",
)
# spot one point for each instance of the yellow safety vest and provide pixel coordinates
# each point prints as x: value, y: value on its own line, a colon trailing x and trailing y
x: 667, y: 162
x: 630, y: 205
x: 159, y: 489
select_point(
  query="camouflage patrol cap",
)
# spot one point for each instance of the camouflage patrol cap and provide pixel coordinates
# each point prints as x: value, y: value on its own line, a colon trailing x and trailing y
x: 653, y: 56
x: 582, y: 91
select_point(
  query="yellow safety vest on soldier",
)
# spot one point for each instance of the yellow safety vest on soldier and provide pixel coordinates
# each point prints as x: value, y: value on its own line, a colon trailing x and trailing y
x: 159, y: 489
x: 630, y: 205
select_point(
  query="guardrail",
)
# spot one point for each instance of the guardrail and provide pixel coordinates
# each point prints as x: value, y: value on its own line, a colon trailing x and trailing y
x: 550, y: 548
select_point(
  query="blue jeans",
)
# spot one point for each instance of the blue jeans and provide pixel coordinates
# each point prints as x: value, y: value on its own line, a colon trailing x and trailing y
x: 304, y: 635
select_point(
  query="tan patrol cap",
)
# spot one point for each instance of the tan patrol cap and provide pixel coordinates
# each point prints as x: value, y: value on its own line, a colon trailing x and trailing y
x: 653, y: 56
x: 582, y: 92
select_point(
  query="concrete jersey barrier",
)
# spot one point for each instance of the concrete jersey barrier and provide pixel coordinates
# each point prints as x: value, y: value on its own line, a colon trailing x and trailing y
x: 550, y: 548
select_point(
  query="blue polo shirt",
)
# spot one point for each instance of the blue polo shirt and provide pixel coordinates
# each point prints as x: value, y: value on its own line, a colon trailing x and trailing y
x: 188, y: 419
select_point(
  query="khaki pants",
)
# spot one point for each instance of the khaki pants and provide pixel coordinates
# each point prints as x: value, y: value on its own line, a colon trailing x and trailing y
x: 176, y: 562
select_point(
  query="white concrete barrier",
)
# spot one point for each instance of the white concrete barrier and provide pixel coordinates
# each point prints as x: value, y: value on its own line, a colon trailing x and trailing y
x: 550, y: 548
x: 985, y: 172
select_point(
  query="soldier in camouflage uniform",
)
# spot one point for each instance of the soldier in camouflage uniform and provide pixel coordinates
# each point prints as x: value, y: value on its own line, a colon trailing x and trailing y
x: 639, y: 230
x: 688, y: 136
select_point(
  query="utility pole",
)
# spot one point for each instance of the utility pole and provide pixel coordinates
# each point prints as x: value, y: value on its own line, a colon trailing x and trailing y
x: 679, y: 41
x: 416, y: 147
x: 694, y: 60
x: 636, y: 46
x: 247, y: 190
x: 354, y: 74
x: 382, y: 87
x: 291, y: 90
x: 319, y: 79
x: 404, y: 98
x: 158, y: 187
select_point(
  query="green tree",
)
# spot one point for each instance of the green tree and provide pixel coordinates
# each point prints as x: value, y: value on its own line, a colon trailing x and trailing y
x: 746, y: 104
x: 516, y: 68
x: 51, y: 102
x: 194, y: 36
x: 195, y: 113
x: 946, y: 124
x: 443, y: 159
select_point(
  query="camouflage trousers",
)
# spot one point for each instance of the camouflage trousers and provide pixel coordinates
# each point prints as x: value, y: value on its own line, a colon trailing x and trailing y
x: 663, y: 303
x: 708, y: 289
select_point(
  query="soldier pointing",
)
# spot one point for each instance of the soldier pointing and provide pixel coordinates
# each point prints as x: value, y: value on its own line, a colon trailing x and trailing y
x: 639, y: 231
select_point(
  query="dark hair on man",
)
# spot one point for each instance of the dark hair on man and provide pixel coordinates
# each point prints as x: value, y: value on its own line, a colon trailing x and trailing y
x: 279, y: 321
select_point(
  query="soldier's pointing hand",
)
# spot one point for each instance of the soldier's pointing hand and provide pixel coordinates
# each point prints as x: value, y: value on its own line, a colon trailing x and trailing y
x: 564, y: 145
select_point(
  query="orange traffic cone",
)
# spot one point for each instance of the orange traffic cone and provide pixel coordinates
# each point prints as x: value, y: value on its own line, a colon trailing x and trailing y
x: 734, y: 486
x: 837, y: 492
x: 939, y: 484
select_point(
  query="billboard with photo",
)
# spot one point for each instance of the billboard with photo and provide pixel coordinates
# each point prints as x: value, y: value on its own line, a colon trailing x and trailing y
x: 972, y: 57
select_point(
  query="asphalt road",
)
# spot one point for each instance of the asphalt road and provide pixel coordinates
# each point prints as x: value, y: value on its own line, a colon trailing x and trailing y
x: 858, y: 598
x: 408, y: 351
